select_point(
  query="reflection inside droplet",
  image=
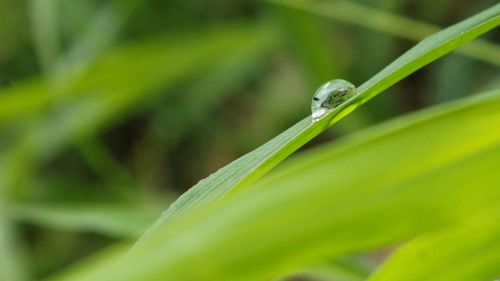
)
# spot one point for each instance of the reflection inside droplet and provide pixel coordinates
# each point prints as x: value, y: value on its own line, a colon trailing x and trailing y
x: 329, y: 96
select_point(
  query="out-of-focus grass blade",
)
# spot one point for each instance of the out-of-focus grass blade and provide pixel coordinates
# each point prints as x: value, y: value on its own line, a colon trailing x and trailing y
x: 210, y: 91
x: 137, y: 67
x: 118, y: 83
x: 116, y: 221
x: 467, y: 253
x: 386, y: 22
x: 307, y: 36
x: 254, y: 164
x: 45, y: 31
x: 345, y: 269
x: 101, y: 32
x: 415, y: 175
x: 11, y: 265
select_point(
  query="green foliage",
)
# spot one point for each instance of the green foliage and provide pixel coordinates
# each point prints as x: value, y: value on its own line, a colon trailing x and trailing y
x: 253, y: 165
x: 115, y: 221
x: 471, y: 251
x: 386, y: 22
x: 341, y: 214
x: 111, y: 108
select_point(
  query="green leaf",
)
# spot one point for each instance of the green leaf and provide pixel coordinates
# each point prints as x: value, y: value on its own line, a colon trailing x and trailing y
x: 117, y: 221
x: 12, y: 267
x: 462, y: 254
x: 306, y: 37
x: 418, y: 174
x: 256, y: 163
x: 209, y: 92
x: 108, y: 89
x: 114, y: 77
x: 386, y: 22
x: 46, y: 33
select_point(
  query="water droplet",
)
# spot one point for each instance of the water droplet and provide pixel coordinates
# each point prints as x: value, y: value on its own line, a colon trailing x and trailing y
x: 329, y: 96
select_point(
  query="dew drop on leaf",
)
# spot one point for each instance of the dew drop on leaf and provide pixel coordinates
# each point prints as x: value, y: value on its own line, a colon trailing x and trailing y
x: 329, y: 96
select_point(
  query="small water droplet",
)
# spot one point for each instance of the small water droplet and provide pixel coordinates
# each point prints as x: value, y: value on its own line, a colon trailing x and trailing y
x: 329, y: 96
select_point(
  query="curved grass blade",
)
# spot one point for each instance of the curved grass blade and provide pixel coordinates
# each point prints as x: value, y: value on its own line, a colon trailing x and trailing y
x: 113, y: 220
x: 418, y: 174
x: 386, y: 22
x: 467, y: 253
x: 256, y: 163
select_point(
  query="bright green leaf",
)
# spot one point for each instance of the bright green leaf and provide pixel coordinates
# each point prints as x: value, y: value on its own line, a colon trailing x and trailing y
x: 415, y: 175
x: 467, y: 253
x: 256, y: 163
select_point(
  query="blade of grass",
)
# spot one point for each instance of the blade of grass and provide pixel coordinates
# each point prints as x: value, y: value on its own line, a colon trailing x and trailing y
x: 102, y: 31
x: 209, y: 92
x: 112, y: 220
x: 45, y: 31
x: 11, y: 265
x: 251, y: 166
x: 103, y: 163
x: 467, y: 253
x: 154, y: 60
x: 386, y: 22
x: 306, y: 36
x: 415, y: 175
x: 113, y: 86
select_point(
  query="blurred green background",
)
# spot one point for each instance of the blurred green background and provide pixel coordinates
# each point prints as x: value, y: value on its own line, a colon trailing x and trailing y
x: 111, y: 109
